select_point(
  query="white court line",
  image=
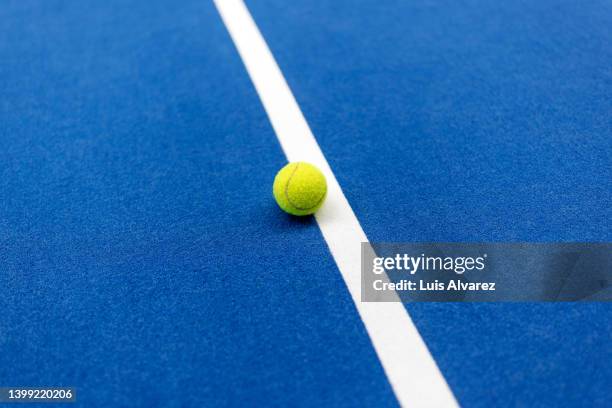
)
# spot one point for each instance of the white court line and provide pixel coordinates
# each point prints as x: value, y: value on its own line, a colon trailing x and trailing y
x: 410, y: 368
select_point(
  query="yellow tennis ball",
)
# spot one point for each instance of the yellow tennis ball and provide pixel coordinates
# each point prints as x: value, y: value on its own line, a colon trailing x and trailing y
x: 300, y: 188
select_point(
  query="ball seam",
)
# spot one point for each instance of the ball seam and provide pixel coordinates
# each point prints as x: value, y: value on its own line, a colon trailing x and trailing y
x: 287, y: 193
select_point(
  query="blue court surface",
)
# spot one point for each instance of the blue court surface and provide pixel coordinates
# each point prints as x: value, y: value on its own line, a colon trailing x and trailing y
x: 144, y: 261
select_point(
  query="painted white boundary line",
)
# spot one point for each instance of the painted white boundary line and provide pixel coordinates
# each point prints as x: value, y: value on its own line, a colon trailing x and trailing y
x: 411, y: 370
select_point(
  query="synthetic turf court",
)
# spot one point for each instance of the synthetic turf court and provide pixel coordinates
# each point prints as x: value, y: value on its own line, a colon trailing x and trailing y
x: 145, y: 263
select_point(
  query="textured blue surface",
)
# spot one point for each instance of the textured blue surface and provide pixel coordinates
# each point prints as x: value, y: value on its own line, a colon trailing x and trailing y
x: 144, y: 261
x: 470, y: 121
x: 143, y: 258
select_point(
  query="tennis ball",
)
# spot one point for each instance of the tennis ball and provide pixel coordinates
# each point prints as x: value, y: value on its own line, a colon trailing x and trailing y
x: 300, y: 188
